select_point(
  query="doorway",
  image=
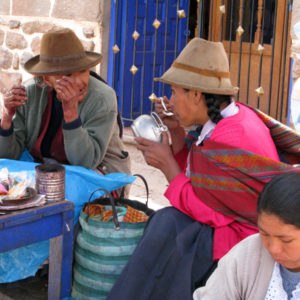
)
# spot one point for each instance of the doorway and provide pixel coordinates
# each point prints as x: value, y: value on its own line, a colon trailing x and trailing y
x: 255, y: 35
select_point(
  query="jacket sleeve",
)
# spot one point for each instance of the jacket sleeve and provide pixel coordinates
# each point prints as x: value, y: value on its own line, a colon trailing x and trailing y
x: 87, y: 144
x: 243, y: 273
x: 224, y: 283
x: 12, y: 141
x: 181, y: 157
x: 181, y: 195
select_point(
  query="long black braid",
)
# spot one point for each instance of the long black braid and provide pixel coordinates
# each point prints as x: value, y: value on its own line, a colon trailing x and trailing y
x: 213, y: 102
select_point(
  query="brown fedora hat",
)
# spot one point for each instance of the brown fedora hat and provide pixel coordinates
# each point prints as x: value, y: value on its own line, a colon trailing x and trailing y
x: 61, y: 53
x: 201, y: 65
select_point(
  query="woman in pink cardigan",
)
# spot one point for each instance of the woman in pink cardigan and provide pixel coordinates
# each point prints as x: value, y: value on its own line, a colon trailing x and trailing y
x: 215, y: 175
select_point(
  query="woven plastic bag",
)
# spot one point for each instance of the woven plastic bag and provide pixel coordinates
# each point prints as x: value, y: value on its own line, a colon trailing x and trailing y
x: 103, y: 247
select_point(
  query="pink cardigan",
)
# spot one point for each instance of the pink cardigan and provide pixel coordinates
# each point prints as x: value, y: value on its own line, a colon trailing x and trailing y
x: 243, y: 130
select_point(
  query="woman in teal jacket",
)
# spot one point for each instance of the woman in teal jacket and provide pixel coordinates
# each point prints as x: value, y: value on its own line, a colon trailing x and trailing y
x: 71, y: 118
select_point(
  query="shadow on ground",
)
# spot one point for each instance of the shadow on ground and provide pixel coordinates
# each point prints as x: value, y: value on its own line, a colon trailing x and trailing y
x: 32, y: 288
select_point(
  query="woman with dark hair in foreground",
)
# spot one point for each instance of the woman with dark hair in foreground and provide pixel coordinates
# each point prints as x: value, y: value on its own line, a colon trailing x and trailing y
x: 265, y: 265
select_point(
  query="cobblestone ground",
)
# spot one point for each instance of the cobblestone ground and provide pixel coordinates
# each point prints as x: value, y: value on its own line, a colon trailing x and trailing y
x: 36, y: 288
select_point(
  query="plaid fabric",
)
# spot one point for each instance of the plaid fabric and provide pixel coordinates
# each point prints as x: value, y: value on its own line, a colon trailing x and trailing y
x: 229, y: 180
x: 134, y: 216
x: 107, y: 215
x: 287, y: 140
x: 94, y: 210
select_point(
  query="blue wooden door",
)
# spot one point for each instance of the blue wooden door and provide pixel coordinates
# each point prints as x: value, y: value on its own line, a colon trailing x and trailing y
x: 151, y: 53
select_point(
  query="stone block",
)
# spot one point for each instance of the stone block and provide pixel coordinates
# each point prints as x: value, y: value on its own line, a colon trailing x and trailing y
x: 88, y: 45
x: 31, y: 8
x: 13, y: 24
x: 88, y: 32
x: 24, y: 57
x: 3, y: 22
x: 5, y: 58
x: 15, y: 40
x: 295, y: 46
x: 87, y: 10
x: 296, y: 66
x: 296, y: 74
x: 4, y: 7
x: 7, y: 80
x: 38, y: 27
x: 35, y: 45
x: 1, y: 37
x: 15, y: 62
x: 295, y: 17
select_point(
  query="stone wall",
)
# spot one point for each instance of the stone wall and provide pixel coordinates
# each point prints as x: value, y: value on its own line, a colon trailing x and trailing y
x: 22, y: 23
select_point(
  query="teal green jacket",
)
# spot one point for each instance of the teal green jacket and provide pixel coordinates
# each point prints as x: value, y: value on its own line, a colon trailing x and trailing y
x: 94, y: 144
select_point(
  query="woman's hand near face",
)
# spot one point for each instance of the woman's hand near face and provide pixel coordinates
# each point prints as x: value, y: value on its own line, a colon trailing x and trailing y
x: 170, y: 121
x: 159, y: 155
x: 68, y: 92
x: 14, y: 98
x: 176, y: 131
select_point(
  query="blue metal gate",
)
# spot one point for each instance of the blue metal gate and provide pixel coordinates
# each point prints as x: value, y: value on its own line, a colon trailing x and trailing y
x: 145, y: 37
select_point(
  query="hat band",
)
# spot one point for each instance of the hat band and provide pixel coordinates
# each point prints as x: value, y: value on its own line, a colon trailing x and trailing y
x: 61, y: 59
x: 201, y: 71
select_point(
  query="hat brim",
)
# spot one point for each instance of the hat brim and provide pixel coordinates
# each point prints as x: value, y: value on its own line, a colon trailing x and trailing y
x: 36, y: 67
x: 231, y: 91
x: 194, y: 81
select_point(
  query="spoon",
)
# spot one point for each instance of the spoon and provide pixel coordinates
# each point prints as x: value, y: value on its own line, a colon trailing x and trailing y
x: 165, y: 111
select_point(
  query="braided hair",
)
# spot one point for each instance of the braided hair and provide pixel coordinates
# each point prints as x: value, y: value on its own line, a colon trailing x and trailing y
x: 213, y: 103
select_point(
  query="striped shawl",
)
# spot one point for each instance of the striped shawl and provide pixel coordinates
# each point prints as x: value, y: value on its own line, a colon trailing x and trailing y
x: 229, y: 180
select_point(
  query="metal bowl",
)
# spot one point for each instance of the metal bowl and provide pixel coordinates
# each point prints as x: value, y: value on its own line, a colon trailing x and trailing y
x: 148, y: 127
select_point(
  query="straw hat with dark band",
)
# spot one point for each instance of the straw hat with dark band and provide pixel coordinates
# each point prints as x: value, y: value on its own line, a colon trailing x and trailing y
x: 61, y: 52
x: 201, y: 65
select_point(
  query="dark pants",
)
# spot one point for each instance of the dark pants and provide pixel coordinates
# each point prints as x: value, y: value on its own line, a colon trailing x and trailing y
x: 173, y: 257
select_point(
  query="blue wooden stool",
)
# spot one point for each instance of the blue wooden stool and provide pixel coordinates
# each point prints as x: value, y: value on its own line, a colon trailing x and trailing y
x: 52, y: 221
